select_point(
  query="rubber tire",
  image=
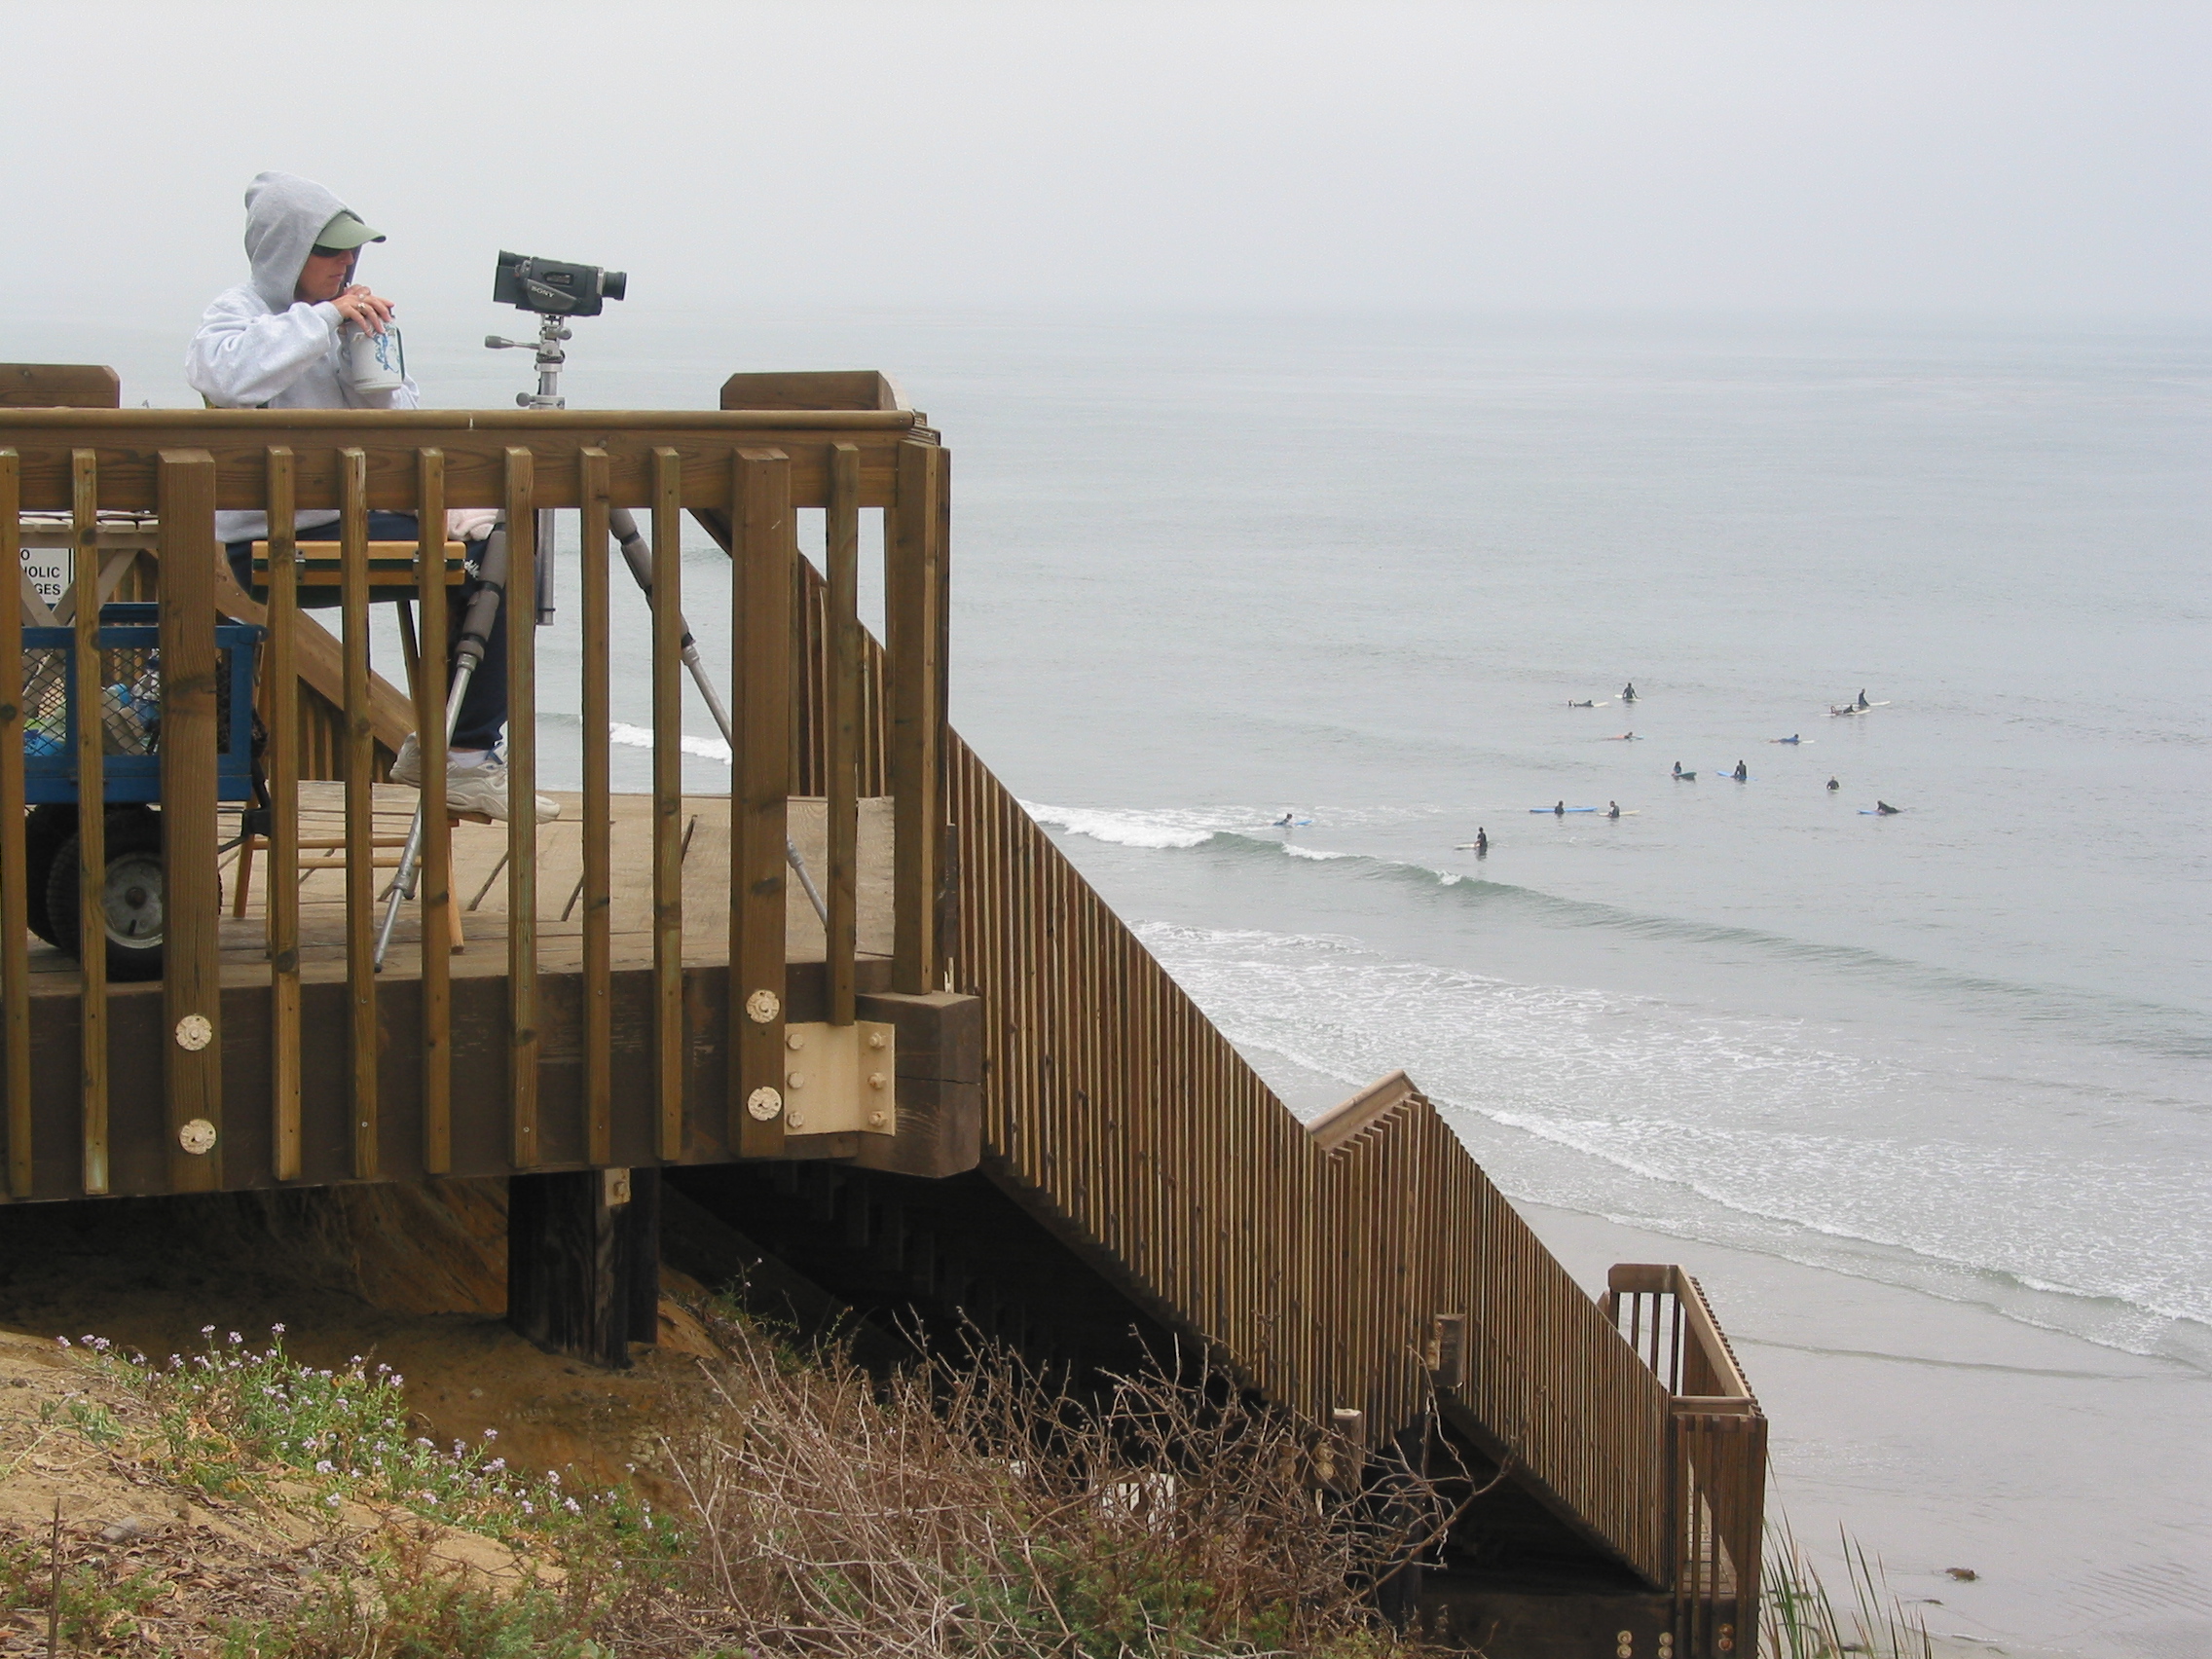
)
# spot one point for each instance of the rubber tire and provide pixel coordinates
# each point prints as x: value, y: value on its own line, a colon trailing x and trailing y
x: 132, y: 831
x: 47, y: 827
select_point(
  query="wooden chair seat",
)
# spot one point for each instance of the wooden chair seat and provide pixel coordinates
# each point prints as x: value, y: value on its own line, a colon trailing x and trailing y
x: 392, y: 564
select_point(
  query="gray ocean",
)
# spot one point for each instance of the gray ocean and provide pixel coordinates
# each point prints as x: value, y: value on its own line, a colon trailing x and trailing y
x: 1925, y: 1099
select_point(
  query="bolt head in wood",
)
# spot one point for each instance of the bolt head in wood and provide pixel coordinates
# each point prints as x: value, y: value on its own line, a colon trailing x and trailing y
x: 794, y: 1080
x: 198, y: 1136
x: 194, y: 1032
x: 764, y: 1104
x: 876, y: 1040
x: 877, y: 1079
x: 796, y: 1120
x: 762, y: 1007
x: 795, y: 1037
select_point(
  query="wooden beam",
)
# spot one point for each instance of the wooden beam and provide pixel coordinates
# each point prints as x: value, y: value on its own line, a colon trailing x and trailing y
x: 762, y: 560
x: 59, y: 386
x: 279, y: 678
x: 599, y: 808
x: 92, y: 821
x: 522, y: 505
x: 910, y: 605
x: 15, y: 921
x: 668, y: 1038
x: 434, y: 882
x: 475, y: 445
x: 361, y: 820
x: 192, y: 987
x: 842, y: 693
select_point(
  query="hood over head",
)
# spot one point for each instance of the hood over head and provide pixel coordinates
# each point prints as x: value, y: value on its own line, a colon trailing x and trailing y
x: 284, y: 214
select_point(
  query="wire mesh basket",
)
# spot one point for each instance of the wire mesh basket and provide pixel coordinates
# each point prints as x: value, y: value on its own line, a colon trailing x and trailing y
x: 129, y: 707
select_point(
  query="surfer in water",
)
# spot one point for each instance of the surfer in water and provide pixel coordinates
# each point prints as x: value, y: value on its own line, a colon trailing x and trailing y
x: 1572, y: 704
x: 1883, y: 809
x: 1833, y: 786
x: 1612, y: 809
x: 1742, y: 773
x: 1481, y: 842
x: 1627, y: 692
x: 1862, y: 703
x: 1622, y: 737
x: 1793, y: 737
x: 1285, y: 822
x: 1678, y: 768
x: 1560, y: 811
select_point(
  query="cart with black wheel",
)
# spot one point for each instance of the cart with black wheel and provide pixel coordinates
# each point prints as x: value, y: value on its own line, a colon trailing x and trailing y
x: 130, y: 705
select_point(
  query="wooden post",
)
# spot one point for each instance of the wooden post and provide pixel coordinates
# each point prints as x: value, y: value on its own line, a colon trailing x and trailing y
x: 669, y: 1042
x: 192, y: 984
x: 599, y: 807
x: 522, y: 805
x: 762, y: 551
x: 14, y: 922
x: 583, y: 1254
x: 91, y: 820
x: 360, y: 811
x: 280, y: 670
x: 842, y: 693
x: 911, y: 602
x: 434, y: 878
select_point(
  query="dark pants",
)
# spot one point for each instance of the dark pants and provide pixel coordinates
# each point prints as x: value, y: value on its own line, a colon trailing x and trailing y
x: 484, y: 710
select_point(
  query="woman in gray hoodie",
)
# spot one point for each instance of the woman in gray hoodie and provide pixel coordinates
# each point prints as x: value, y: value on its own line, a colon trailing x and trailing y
x: 277, y: 341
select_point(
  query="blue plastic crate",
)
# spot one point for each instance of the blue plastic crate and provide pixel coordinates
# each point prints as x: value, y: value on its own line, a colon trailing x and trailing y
x: 130, y: 708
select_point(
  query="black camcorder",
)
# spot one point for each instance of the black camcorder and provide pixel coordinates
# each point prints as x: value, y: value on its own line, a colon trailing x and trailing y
x: 554, y: 288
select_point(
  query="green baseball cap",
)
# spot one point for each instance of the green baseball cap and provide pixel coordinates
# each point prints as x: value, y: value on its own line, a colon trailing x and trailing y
x: 346, y: 231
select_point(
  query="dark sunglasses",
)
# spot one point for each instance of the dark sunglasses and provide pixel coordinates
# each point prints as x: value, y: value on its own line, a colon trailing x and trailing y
x: 318, y: 252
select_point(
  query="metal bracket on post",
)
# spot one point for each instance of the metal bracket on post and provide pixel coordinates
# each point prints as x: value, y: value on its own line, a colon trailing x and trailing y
x: 838, y: 1079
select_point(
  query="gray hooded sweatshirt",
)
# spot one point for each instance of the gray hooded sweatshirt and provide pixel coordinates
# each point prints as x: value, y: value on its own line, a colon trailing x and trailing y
x: 257, y: 347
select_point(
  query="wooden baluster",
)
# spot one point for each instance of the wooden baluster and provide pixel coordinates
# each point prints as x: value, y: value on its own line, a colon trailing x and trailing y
x: 15, y: 921
x: 842, y: 695
x: 91, y: 819
x: 763, y: 551
x: 911, y: 600
x: 360, y: 813
x: 192, y: 984
x: 434, y: 877
x: 522, y: 804
x: 281, y: 901
x: 670, y: 1046
x: 599, y: 805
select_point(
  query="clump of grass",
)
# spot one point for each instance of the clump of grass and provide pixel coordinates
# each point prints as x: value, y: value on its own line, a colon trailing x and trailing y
x: 1800, y: 1620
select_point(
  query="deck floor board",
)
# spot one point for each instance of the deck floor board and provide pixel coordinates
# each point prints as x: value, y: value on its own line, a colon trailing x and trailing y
x: 477, y: 852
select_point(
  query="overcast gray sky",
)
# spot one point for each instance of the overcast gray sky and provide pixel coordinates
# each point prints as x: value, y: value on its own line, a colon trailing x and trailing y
x: 2011, y: 157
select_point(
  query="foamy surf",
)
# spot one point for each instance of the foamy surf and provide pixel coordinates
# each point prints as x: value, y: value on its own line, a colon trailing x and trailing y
x: 642, y: 737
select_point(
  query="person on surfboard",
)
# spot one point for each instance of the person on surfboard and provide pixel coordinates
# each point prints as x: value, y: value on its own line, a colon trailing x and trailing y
x: 1833, y: 786
x: 1862, y: 703
x: 1742, y: 773
x: 1481, y: 842
x: 1883, y: 809
x: 1612, y: 809
x: 1560, y: 811
x: 1627, y: 692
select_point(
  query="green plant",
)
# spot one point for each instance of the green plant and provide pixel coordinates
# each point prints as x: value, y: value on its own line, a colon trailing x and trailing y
x: 1799, y: 1620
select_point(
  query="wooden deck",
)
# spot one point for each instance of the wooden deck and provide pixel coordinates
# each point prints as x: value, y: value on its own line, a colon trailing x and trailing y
x: 478, y: 852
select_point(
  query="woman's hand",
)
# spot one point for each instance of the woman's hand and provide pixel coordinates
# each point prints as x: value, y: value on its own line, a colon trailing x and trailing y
x: 370, y: 312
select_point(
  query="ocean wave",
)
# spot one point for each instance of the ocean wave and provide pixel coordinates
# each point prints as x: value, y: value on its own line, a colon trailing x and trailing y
x: 642, y: 737
x: 2157, y: 1028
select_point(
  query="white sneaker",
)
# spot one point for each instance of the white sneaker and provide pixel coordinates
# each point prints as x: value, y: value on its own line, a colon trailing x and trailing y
x: 482, y: 788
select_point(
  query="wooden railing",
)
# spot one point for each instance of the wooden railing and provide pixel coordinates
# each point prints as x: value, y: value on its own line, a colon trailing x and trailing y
x: 740, y: 473
x: 1342, y: 1272
x: 1715, y: 1453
